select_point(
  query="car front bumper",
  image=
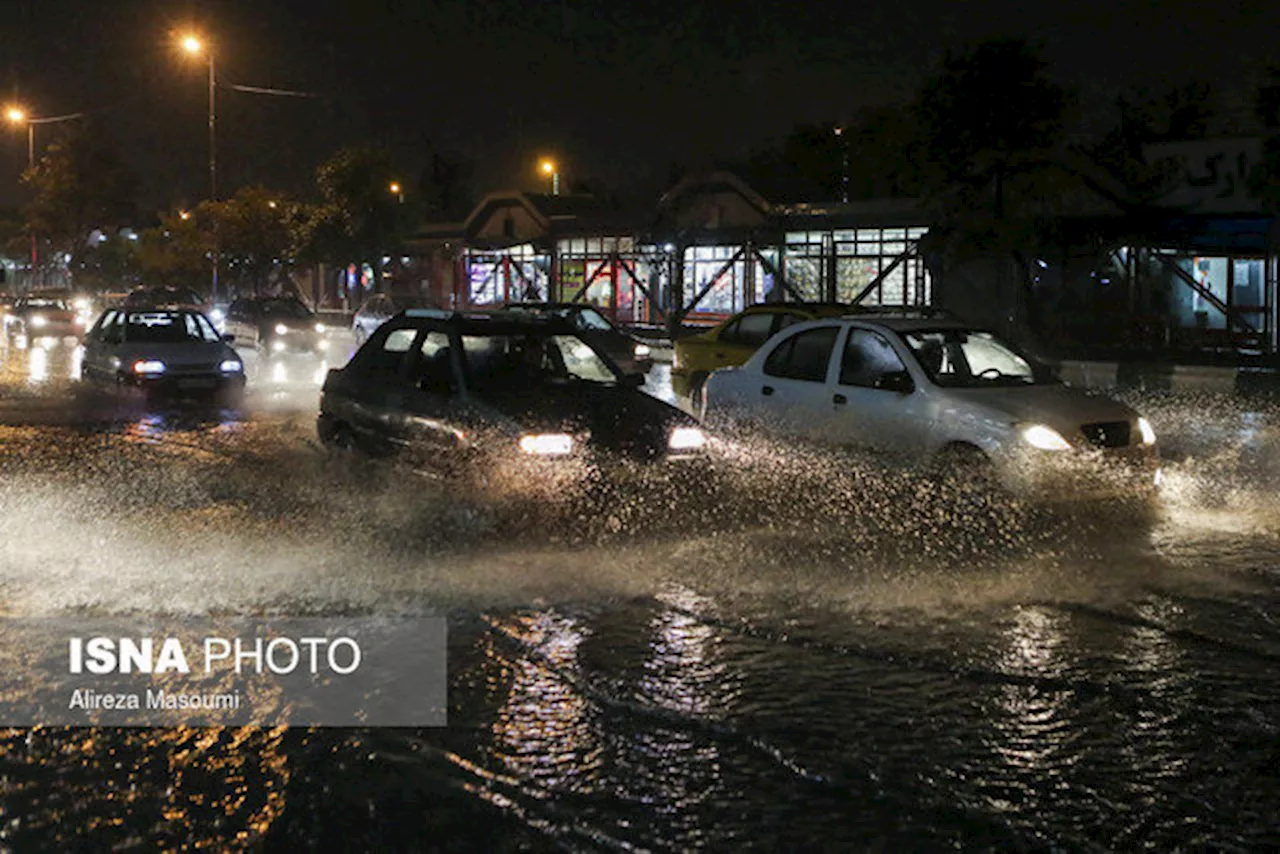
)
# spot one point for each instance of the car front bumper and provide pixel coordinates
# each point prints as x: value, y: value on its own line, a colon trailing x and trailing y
x: 1082, y: 475
x: 178, y: 385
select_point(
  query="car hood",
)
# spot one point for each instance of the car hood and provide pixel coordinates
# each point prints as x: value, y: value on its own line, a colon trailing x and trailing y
x: 1060, y: 407
x: 617, y: 418
x: 192, y: 353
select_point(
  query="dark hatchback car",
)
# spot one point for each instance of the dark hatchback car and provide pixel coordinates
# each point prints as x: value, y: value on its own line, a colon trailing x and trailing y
x: 276, y: 325
x: 505, y: 393
x: 629, y: 354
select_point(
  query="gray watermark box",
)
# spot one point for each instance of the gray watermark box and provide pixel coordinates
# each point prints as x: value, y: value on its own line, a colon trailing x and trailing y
x: 233, y: 671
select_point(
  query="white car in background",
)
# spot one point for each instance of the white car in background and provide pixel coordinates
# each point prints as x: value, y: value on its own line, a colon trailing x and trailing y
x: 941, y: 393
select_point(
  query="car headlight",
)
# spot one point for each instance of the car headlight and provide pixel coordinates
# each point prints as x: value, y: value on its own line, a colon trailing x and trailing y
x: 1044, y: 438
x: 1148, y: 432
x: 148, y: 366
x: 686, y: 439
x: 81, y: 303
x: 231, y: 366
x: 546, y: 444
x: 642, y: 351
x: 277, y: 346
x: 281, y: 329
x: 217, y: 315
x: 319, y: 327
x: 38, y: 321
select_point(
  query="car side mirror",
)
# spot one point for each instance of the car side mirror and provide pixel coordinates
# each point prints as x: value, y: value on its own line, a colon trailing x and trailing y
x: 230, y: 339
x: 898, y: 381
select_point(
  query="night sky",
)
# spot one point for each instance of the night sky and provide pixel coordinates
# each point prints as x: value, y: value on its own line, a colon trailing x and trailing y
x: 618, y: 91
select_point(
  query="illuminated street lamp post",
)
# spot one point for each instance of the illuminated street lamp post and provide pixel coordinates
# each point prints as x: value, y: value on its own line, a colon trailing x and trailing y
x: 194, y: 46
x: 18, y: 116
x: 549, y: 169
x: 397, y: 191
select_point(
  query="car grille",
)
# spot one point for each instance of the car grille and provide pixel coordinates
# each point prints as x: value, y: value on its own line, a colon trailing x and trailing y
x: 1108, y: 434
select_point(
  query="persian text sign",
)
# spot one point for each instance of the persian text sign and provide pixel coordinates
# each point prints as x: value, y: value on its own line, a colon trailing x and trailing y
x: 149, y: 671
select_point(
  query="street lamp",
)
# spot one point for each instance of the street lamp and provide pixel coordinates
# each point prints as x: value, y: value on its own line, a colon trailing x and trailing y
x: 396, y: 190
x: 18, y: 116
x: 195, y: 46
x: 548, y: 167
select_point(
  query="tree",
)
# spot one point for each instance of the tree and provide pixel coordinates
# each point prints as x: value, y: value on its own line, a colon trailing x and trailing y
x: 176, y: 252
x: 358, y: 219
x: 253, y: 236
x: 981, y: 117
x: 80, y: 185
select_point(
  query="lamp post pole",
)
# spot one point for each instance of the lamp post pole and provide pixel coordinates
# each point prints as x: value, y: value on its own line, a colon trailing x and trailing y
x: 213, y: 167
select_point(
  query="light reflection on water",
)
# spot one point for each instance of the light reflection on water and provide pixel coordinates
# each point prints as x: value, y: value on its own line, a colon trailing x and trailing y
x: 665, y: 694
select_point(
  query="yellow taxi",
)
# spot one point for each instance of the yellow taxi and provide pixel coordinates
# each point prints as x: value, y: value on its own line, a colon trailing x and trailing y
x: 732, y: 341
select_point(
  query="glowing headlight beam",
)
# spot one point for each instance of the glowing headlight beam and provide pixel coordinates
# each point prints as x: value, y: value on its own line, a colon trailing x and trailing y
x: 148, y: 366
x: 546, y: 444
x: 1148, y: 432
x: 686, y: 439
x: 1044, y: 438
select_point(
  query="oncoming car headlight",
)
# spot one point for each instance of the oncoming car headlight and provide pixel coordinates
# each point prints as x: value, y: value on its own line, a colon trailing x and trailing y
x: 231, y: 366
x: 686, y: 439
x: 1044, y: 438
x: 546, y: 444
x: 1148, y: 432
x: 38, y: 321
x: 643, y: 351
x: 320, y: 327
x: 281, y: 329
x: 148, y: 366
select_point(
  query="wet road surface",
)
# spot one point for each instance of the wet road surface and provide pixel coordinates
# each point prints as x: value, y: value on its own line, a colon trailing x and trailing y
x: 815, y: 657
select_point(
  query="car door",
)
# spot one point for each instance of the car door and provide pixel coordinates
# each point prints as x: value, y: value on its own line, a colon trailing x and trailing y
x: 873, y: 401
x: 792, y: 395
x: 378, y: 393
x: 94, y: 360
x: 428, y: 422
x: 742, y: 337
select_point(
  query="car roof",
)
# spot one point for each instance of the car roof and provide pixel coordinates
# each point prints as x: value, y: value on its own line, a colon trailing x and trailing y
x: 483, y: 322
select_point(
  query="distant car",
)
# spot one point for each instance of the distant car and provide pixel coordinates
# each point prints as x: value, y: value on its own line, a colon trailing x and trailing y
x: 497, y: 392
x: 938, y: 392
x: 631, y: 355
x: 276, y: 325
x: 380, y: 308
x: 44, y: 314
x: 162, y: 351
x: 733, y: 341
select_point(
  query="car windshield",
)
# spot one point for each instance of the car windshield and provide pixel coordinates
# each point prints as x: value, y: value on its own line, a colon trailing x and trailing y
x: 55, y: 303
x: 496, y: 362
x: 589, y: 318
x: 287, y: 308
x: 958, y: 358
x: 169, y: 327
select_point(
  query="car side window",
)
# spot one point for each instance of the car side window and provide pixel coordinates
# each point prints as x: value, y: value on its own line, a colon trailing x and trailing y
x: 803, y: 356
x: 434, y: 372
x: 96, y: 333
x: 113, y: 330
x: 750, y: 330
x: 385, y: 354
x: 867, y: 357
x: 785, y: 319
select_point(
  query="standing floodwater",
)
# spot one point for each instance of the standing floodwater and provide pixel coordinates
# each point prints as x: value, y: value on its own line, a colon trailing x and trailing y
x: 826, y: 658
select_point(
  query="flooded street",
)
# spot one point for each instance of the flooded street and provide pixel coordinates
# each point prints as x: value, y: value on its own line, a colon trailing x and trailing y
x: 803, y: 655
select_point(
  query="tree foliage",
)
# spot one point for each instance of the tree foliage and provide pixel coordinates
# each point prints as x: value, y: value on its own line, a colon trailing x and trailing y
x: 358, y: 218
x: 981, y: 117
x: 176, y: 252
x: 252, y: 234
x: 79, y: 185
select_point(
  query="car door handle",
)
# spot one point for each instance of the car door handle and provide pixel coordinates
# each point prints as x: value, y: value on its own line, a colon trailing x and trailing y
x: 839, y: 400
x: 767, y: 390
